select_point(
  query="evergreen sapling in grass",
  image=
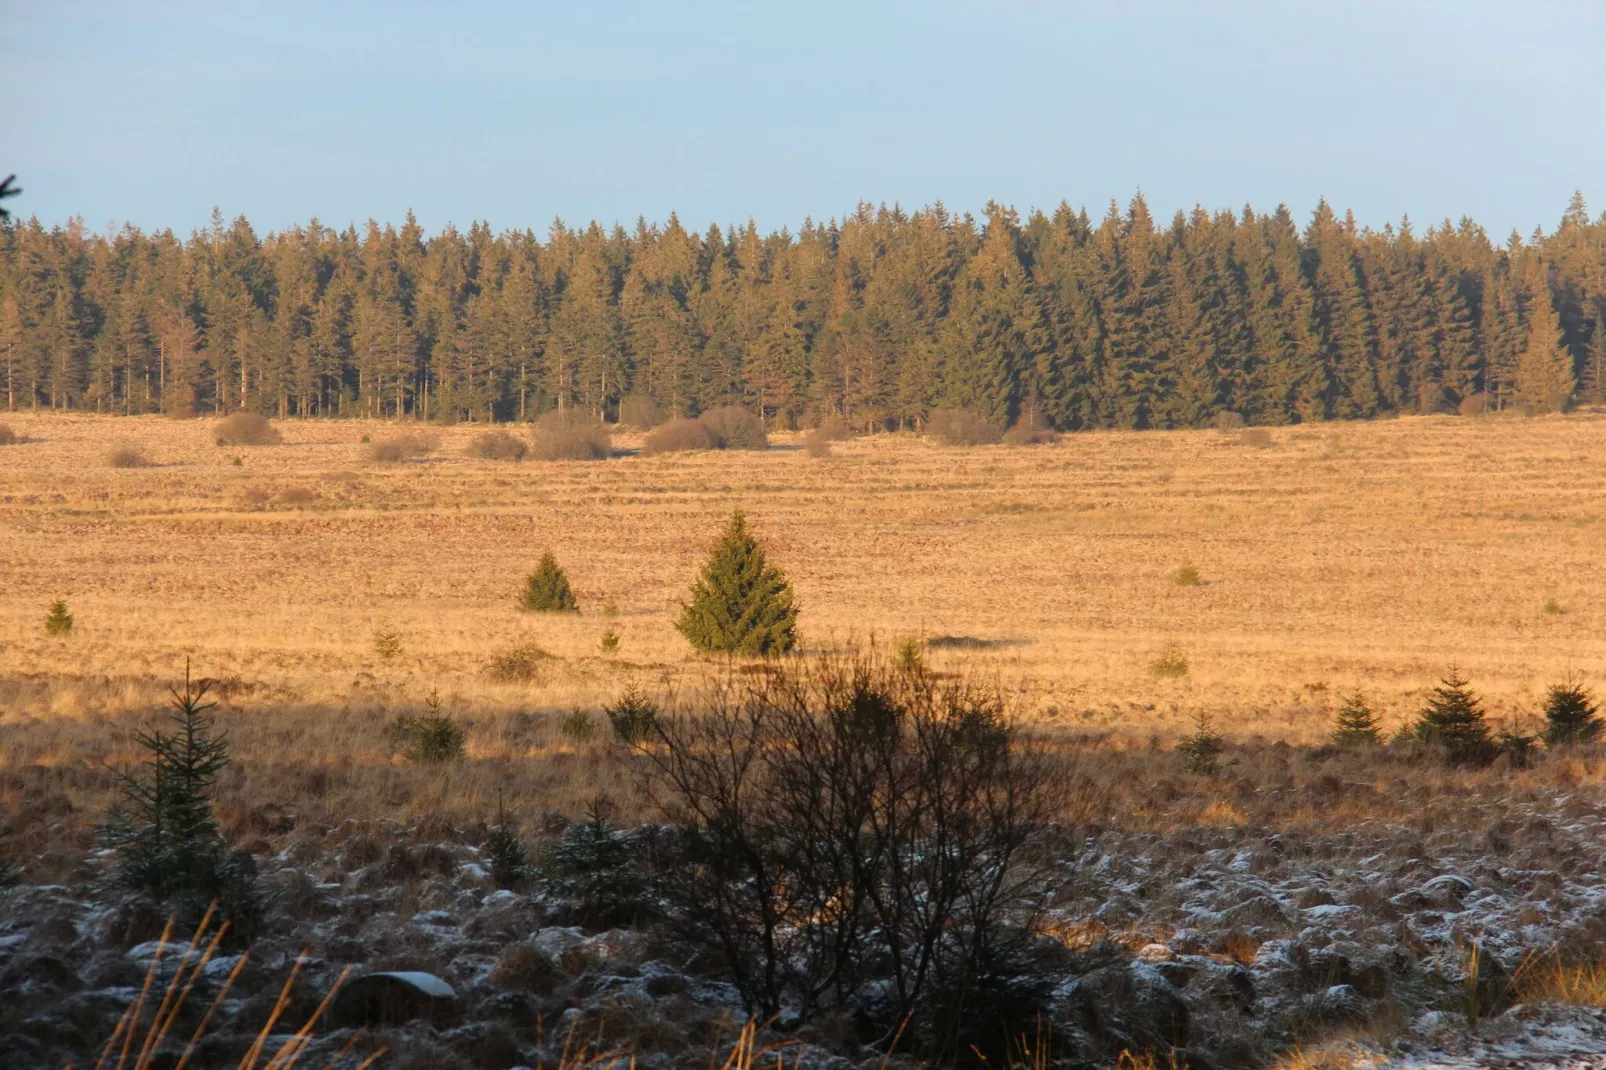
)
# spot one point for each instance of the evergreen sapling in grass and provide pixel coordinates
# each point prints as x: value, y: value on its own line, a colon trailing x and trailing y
x: 58, y: 621
x: 510, y: 861
x: 547, y: 589
x: 1571, y: 715
x: 1454, y: 720
x: 740, y: 604
x: 1356, y: 724
x: 1201, y: 751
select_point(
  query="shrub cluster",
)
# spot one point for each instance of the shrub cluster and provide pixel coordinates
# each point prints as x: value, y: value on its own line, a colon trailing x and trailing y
x: 408, y: 446
x: 731, y: 427
x: 127, y: 456
x: 678, y: 436
x: 640, y: 411
x: 569, y: 435
x: 961, y: 427
x: 1030, y: 430
x: 498, y: 446
x: 8, y: 437
x: 517, y: 665
x: 856, y: 838
x: 246, y: 429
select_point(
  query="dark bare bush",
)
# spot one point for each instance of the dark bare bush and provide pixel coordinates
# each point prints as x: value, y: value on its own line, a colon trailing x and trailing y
x: 641, y: 412
x: 498, y: 446
x: 255, y: 496
x: 517, y: 665
x: 1030, y: 430
x: 961, y: 427
x: 567, y: 435
x: 1227, y: 420
x: 817, y: 443
x: 856, y: 838
x: 8, y: 437
x: 298, y: 495
x: 834, y: 429
x: 734, y: 428
x: 246, y: 429
x: 678, y: 436
x: 408, y: 446
x: 127, y: 456
x: 1473, y: 405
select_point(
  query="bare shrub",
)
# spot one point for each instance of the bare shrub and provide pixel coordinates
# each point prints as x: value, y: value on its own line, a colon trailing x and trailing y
x: 735, y: 428
x: 246, y: 429
x: 408, y: 446
x: 961, y: 427
x: 298, y: 495
x: 834, y: 429
x: 255, y: 496
x: 817, y: 443
x: 678, y: 436
x: 498, y: 446
x: 1255, y: 437
x: 1227, y: 420
x: 1029, y: 430
x: 127, y: 456
x: 517, y: 665
x: 850, y: 826
x: 567, y: 435
x: 8, y: 437
x: 1473, y: 405
x: 640, y: 411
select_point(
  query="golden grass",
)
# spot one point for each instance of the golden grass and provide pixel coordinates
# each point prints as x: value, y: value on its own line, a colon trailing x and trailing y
x: 1338, y: 556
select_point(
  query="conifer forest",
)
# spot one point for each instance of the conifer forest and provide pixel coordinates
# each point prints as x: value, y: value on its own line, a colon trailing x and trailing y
x: 877, y: 318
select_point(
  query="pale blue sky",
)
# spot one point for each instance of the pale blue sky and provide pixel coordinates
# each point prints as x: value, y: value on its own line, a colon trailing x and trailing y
x: 518, y: 112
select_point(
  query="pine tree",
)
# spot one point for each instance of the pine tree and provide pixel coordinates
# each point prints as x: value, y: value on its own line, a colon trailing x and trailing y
x: 58, y: 621
x: 1544, y: 369
x: 1356, y: 724
x: 164, y: 831
x: 740, y: 604
x: 1571, y: 715
x: 1453, y: 719
x: 547, y: 589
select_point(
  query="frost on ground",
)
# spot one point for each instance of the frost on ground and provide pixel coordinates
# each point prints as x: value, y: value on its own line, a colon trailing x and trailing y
x: 1225, y: 945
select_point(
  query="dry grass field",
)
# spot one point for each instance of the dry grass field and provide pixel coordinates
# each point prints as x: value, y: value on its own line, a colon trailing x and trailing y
x: 1336, y: 556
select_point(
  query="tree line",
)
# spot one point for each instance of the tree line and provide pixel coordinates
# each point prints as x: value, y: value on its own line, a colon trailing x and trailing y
x: 878, y: 318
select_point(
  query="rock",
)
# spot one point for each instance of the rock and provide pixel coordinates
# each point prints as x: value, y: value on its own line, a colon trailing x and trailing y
x: 1154, y: 953
x: 392, y: 998
x: 1257, y: 912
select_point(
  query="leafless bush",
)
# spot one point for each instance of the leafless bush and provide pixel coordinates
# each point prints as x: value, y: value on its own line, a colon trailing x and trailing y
x: 640, y: 411
x: 1473, y: 405
x: 517, y: 665
x: 1227, y: 420
x: 678, y: 436
x: 298, y: 495
x: 817, y: 443
x: 567, y: 435
x: 407, y: 446
x: 1030, y: 430
x: 834, y: 429
x: 498, y: 446
x: 961, y: 427
x: 246, y: 429
x: 1257, y: 437
x: 735, y: 428
x: 852, y: 825
x: 127, y: 456
x: 254, y: 496
x: 9, y: 437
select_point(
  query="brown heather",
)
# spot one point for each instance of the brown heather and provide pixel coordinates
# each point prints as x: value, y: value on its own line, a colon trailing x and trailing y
x: 1352, y: 555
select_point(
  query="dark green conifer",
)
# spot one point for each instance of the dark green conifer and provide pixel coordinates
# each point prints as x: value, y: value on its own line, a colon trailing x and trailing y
x: 547, y: 589
x: 1570, y: 714
x: 510, y: 861
x: 1453, y: 719
x: 1356, y: 724
x: 58, y: 621
x: 740, y: 604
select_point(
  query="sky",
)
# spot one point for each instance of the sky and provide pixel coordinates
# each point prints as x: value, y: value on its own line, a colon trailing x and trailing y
x: 518, y: 113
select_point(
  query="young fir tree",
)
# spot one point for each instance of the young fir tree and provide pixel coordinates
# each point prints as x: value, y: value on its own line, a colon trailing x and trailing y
x: 58, y: 621
x: 547, y: 589
x: 1453, y: 719
x: 1544, y: 369
x: 164, y: 831
x: 1356, y: 724
x: 1201, y: 751
x: 510, y: 861
x: 1570, y: 714
x: 740, y: 604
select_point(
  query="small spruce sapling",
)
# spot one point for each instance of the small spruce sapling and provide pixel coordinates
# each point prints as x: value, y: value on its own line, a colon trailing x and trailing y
x: 1201, y: 751
x: 1571, y: 715
x: 58, y: 621
x: 1454, y: 720
x: 430, y: 737
x: 740, y: 604
x: 609, y: 641
x: 547, y: 589
x: 594, y: 876
x: 504, y: 848
x: 1356, y: 725
x: 634, y: 717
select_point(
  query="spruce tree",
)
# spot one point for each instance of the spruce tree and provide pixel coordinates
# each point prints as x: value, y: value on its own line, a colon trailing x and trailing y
x: 58, y: 621
x: 164, y: 831
x: 1545, y: 380
x: 547, y: 589
x: 1356, y: 724
x: 740, y: 604
x: 1453, y: 719
x: 1570, y: 714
